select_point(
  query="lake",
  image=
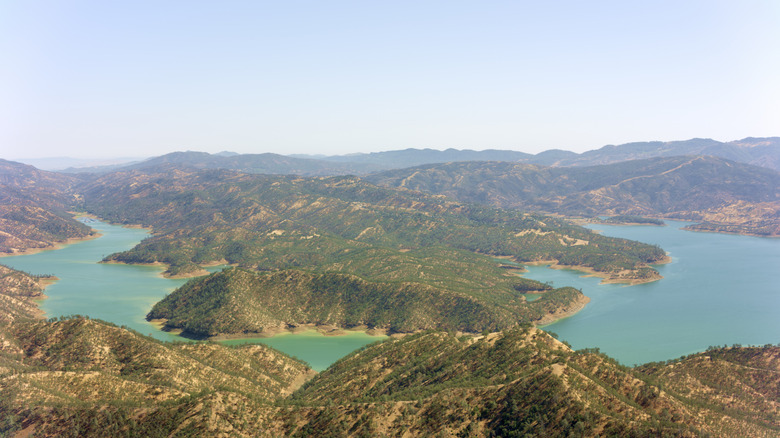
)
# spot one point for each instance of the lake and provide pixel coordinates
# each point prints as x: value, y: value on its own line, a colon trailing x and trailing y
x: 719, y: 289
x: 124, y: 294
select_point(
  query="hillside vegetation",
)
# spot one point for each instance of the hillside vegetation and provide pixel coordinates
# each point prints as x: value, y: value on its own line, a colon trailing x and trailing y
x: 726, y: 196
x: 78, y: 377
x: 33, y: 206
x: 18, y: 290
x: 238, y: 301
x: 342, y: 224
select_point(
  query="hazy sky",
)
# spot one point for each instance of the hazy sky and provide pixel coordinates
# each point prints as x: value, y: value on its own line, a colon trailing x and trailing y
x: 142, y: 78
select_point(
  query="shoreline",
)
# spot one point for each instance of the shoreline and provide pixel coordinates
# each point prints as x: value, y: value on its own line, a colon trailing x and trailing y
x: 270, y: 332
x: 731, y: 233
x: 627, y: 224
x: 556, y: 316
x: 583, y: 221
x: 606, y: 278
x: 191, y: 274
x: 53, y: 246
x: 323, y: 329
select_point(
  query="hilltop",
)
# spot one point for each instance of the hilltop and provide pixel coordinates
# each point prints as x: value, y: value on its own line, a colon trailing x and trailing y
x: 763, y: 152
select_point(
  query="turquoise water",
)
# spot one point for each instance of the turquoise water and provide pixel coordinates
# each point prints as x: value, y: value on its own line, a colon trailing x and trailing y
x: 124, y: 294
x: 719, y: 289
x: 316, y: 349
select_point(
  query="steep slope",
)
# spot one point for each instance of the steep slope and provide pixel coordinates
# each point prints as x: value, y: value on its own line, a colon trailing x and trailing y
x: 721, y: 193
x: 238, y: 301
x: 33, y: 207
x: 84, y: 378
x: 55, y: 374
x: 523, y: 382
x: 18, y: 290
x: 726, y: 385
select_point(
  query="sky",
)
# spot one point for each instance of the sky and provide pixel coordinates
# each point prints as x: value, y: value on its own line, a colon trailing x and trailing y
x: 96, y: 79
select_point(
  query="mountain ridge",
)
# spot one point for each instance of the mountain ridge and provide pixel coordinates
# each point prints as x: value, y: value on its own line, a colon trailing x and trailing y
x: 718, y: 192
x: 763, y: 152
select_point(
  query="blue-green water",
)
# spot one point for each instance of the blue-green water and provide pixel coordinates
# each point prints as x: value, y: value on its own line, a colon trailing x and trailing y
x: 124, y: 294
x: 719, y: 289
x: 316, y: 349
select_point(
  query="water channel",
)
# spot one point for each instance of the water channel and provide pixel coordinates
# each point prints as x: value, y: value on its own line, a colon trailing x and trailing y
x: 719, y: 289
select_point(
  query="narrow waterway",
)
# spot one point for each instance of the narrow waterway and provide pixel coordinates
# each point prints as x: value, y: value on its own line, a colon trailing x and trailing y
x: 124, y: 294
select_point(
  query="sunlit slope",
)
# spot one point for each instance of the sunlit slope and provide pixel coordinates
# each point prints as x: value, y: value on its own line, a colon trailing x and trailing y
x: 523, y: 382
x: 728, y: 196
x: 80, y: 377
x: 33, y: 206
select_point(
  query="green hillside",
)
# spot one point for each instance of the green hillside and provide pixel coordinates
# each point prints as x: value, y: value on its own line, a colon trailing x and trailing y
x: 237, y: 301
x: 339, y: 223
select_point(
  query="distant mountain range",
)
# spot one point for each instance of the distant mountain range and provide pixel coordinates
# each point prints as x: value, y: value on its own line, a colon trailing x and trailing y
x: 764, y: 152
x: 271, y: 164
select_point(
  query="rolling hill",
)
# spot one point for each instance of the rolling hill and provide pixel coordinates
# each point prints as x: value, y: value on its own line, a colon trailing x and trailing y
x: 78, y: 377
x: 764, y: 152
x: 241, y: 302
x: 33, y: 206
x: 723, y: 194
x: 267, y: 163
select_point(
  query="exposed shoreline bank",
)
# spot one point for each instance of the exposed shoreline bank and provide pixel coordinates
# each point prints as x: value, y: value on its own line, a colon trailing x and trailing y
x: 323, y: 329
x: 606, y: 278
x: 53, y: 246
x: 566, y: 312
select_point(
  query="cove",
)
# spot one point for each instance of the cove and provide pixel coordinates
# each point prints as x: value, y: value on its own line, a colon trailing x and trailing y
x: 719, y: 290
x: 311, y: 346
x: 124, y: 294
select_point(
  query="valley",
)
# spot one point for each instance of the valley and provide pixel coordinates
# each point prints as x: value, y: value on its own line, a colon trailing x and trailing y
x: 432, y: 255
